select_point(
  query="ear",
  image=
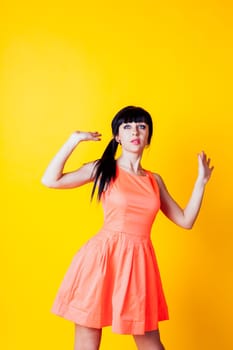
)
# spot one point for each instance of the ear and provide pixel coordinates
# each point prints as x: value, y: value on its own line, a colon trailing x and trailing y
x: 117, y: 138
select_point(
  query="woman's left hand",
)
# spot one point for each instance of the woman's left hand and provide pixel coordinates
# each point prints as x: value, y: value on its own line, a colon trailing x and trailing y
x: 204, y: 168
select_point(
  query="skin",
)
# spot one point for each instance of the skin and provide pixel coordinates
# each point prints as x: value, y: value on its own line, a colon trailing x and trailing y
x: 133, y: 138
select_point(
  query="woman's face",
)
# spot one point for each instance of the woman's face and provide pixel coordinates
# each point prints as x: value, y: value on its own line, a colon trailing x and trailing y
x: 133, y: 136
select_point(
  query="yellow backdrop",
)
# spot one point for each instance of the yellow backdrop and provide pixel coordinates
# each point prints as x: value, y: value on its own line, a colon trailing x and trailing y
x: 72, y: 65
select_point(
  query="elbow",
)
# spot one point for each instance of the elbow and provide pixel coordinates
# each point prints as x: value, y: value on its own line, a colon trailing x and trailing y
x: 48, y: 183
x: 45, y: 182
x: 188, y: 221
x: 188, y: 225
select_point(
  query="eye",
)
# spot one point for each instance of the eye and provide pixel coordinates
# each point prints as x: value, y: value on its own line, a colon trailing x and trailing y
x: 142, y: 126
x: 126, y: 126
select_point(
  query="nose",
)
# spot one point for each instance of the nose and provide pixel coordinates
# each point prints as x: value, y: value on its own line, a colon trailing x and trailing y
x: 135, y: 130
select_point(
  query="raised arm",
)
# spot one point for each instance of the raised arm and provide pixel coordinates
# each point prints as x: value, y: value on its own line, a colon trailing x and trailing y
x: 54, y: 177
x: 187, y: 216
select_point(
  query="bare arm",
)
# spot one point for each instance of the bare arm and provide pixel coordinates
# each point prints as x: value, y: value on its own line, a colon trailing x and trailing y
x: 187, y: 216
x: 54, y: 176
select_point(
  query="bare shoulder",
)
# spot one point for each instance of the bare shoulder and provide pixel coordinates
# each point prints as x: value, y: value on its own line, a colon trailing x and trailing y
x: 161, y: 184
x: 158, y: 179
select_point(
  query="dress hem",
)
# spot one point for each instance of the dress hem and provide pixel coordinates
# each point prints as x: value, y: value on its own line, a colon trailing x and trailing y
x: 126, y: 327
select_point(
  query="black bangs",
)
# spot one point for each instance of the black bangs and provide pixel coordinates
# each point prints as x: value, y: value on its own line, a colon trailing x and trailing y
x: 133, y: 118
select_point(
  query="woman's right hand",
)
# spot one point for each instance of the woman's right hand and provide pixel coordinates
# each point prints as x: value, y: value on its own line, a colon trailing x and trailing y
x: 79, y: 136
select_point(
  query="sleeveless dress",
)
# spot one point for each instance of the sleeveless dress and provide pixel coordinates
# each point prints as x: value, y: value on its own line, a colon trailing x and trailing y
x: 114, y: 278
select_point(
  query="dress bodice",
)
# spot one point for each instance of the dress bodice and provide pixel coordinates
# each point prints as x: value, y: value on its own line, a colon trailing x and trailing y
x: 131, y: 203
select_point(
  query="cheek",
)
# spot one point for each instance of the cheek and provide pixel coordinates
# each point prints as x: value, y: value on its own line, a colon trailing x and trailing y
x: 146, y: 136
x: 123, y: 133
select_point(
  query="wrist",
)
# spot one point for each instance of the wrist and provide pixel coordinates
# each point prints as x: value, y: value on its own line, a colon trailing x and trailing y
x: 200, y: 182
x: 74, y: 139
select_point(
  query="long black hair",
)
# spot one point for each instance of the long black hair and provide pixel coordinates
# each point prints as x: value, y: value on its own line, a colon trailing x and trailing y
x: 105, y: 167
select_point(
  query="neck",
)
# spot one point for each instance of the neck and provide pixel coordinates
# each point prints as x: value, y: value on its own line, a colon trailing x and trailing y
x: 131, y: 162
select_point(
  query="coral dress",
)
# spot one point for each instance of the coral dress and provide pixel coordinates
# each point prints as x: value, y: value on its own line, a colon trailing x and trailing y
x: 114, y: 278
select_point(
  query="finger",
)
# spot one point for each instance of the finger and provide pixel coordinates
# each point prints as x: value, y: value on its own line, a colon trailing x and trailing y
x: 96, y: 133
x: 97, y: 136
x: 200, y: 158
x: 203, y: 155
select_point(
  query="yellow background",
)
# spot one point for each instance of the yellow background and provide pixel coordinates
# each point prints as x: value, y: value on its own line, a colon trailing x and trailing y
x: 73, y: 65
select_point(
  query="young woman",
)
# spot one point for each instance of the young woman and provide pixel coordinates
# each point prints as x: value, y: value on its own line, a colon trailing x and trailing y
x: 114, y: 278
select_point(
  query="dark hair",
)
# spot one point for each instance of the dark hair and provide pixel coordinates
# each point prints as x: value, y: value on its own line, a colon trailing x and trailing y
x: 105, y: 168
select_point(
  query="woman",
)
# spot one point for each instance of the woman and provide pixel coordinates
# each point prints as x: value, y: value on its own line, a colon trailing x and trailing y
x: 114, y: 278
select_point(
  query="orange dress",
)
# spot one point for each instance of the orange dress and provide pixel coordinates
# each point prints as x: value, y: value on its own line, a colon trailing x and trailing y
x: 114, y: 278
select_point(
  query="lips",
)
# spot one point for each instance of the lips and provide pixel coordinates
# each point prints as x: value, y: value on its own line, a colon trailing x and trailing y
x: 135, y: 142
